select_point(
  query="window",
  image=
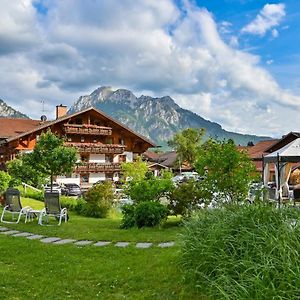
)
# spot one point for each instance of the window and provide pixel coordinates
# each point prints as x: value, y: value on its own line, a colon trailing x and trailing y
x: 78, y: 121
x: 69, y: 139
x: 109, y: 158
x: 84, y: 158
x: 84, y: 178
x: 122, y: 158
x: 82, y: 139
x: 121, y: 141
x: 109, y: 140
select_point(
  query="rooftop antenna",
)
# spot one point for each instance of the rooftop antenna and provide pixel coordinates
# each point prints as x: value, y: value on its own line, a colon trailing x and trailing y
x: 43, y: 116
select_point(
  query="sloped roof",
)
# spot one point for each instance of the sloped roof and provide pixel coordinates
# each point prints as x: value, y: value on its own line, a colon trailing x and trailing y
x: 50, y: 123
x: 10, y: 128
x: 260, y: 148
x: 168, y: 159
x: 152, y: 156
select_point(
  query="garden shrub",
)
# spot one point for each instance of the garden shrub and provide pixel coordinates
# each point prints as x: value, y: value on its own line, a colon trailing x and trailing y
x: 185, y: 198
x: 149, y: 189
x: 128, y: 219
x: 33, y: 194
x: 243, y: 252
x: 144, y: 214
x: 150, y: 214
x: 4, y: 181
x: 99, y: 200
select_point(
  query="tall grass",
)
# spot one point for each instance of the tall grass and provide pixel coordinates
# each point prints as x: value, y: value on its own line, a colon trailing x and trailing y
x: 243, y: 252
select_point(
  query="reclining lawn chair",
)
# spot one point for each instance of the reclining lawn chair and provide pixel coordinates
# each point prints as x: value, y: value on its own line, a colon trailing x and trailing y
x: 52, y: 209
x: 13, y: 206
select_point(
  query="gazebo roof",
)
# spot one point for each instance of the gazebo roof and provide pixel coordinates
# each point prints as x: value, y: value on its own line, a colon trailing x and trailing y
x: 288, y: 153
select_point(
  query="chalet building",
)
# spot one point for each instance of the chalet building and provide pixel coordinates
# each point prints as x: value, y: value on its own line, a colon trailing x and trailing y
x: 167, y: 160
x: 102, y: 142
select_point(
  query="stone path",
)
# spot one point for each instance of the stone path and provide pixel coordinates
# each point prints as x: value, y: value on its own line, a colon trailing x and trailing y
x: 80, y: 243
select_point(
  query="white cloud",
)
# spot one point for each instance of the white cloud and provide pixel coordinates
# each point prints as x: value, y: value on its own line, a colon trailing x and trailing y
x: 270, y: 16
x: 143, y: 46
x: 274, y: 33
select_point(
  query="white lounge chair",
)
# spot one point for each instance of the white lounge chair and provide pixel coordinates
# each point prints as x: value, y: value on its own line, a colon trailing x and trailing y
x: 52, y: 209
x: 14, y: 207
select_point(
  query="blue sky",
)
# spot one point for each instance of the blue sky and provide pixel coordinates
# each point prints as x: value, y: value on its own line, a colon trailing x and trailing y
x: 234, y: 62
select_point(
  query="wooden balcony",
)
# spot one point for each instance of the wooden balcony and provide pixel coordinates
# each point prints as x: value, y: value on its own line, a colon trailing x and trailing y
x: 97, y: 148
x: 87, y: 129
x: 98, y: 168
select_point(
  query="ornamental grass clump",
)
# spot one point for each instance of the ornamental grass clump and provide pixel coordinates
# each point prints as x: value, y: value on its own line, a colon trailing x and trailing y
x: 243, y: 252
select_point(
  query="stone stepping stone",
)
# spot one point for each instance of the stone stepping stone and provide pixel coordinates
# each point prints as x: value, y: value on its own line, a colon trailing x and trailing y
x: 143, y: 245
x: 3, y: 228
x: 35, y: 237
x: 166, y: 244
x: 24, y: 234
x: 9, y: 232
x: 83, y: 243
x: 102, y: 243
x: 50, y: 240
x: 64, y: 241
x: 122, y: 244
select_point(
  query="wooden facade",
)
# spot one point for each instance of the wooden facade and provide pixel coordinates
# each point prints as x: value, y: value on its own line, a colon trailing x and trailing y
x: 102, y: 143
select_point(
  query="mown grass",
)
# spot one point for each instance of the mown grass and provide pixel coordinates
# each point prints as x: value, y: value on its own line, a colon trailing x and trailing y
x: 30, y: 269
x: 79, y: 227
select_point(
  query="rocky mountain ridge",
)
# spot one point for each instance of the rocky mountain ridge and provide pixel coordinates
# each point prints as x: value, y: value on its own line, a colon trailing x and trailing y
x: 156, y: 118
x: 7, y: 111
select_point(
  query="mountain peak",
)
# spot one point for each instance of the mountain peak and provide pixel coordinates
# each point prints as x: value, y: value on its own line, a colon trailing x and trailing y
x: 157, y: 118
x: 7, y: 111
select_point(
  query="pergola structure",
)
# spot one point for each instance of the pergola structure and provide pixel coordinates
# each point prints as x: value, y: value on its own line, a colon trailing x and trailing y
x: 282, y: 159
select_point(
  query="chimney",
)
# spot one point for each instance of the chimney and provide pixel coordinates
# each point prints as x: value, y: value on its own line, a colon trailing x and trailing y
x: 61, y: 110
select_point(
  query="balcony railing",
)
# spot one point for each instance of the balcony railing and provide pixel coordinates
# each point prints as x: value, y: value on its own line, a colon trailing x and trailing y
x: 98, y: 148
x: 87, y: 129
x: 98, y: 167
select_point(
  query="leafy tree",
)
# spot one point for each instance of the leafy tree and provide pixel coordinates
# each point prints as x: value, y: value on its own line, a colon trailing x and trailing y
x: 4, y: 181
x: 134, y: 170
x: 186, y: 144
x: 22, y: 170
x: 149, y: 189
x: 227, y: 172
x: 50, y: 157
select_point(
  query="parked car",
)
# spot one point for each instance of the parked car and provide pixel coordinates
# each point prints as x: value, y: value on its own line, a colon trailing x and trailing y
x: 72, y: 189
x: 56, y: 187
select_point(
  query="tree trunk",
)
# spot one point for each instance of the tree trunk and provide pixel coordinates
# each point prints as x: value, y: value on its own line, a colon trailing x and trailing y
x: 51, y: 179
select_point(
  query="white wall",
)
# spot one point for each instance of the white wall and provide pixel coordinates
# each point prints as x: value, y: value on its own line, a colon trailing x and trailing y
x: 94, y: 177
x: 129, y: 156
x: 97, y: 158
x: 73, y: 179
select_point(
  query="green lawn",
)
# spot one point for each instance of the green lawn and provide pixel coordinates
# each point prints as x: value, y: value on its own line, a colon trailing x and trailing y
x: 80, y: 227
x: 33, y: 270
